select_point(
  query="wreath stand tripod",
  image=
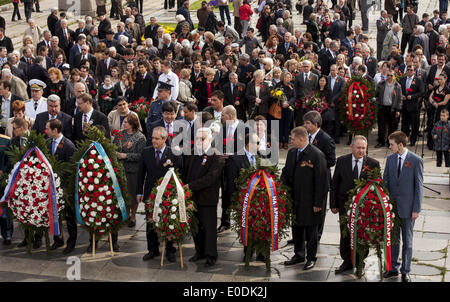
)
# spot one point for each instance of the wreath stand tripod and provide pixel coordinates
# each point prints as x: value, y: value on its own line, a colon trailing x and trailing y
x: 110, y: 245
x: 180, y: 248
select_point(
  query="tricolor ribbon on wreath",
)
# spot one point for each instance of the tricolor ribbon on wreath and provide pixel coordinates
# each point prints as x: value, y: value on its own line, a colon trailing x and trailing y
x: 372, y: 185
x: 115, y: 182
x: 180, y: 196
x: 354, y: 87
x: 51, y: 189
x: 261, y: 175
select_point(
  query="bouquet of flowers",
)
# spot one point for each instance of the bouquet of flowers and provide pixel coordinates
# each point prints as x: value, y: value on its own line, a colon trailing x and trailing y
x: 141, y: 107
x: 371, y: 217
x: 263, y: 209
x: 358, y: 106
x: 34, y: 193
x: 170, y: 209
x: 98, y: 185
x: 312, y: 101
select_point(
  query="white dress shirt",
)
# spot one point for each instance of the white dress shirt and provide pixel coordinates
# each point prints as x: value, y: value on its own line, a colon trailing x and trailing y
x: 360, y: 164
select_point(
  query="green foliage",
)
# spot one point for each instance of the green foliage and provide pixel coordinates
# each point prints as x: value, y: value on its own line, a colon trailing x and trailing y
x: 93, y: 134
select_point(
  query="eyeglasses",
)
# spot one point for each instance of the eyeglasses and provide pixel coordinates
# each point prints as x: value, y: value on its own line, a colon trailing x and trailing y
x: 390, y: 75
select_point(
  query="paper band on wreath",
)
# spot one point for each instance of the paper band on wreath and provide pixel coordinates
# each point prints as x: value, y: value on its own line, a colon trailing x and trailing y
x: 51, y: 191
x: 350, y: 99
x: 180, y: 196
x: 256, y: 178
x: 115, y: 183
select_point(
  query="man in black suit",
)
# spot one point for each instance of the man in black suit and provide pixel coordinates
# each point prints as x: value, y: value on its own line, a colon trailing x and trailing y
x: 412, y: 92
x: 287, y: 48
x: 104, y: 66
x: 169, y: 114
x: 104, y: 26
x: 51, y: 21
x: 54, y: 112
x: 433, y: 37
x: 370, y: 62
x: 46, y: 41
x: 196, y: 76
x: 151, y: 31
x: 337, y: 29
x: 155, y: 162
x: 336, y: 84
x: 305, y: 82
x: 63, y: 148
x: 328, y: 57
x: 305, y: 173
x: 145, y: 83
x: 87, y: 116
x: 348, y: 168
x: 235, y: 95
x: 245, y: 69
x: 88, y: 79
x: 202, y: 175
x: 8, y: 98
x: 109, y: 39
x: 37, y: 71
x: 317, y: 137
x: 65, y: 35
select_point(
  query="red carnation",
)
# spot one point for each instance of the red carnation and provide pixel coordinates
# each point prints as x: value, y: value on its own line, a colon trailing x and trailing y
x: 167, y: 193
x: 152, y: 196
x: 166, y: 203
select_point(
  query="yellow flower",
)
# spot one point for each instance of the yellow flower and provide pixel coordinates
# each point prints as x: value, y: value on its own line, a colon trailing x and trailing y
x: 279, y: 93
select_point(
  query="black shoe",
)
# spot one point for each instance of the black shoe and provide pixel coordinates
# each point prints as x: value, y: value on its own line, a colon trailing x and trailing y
x: 290, y: 241
x: 89, y: 248
x: 379, y: 145
x: 344, y: 267
x: 56, y: 245
x: 261, y: 258
x: 210, y: 262
x: 7, y: 241
x: 309, y: 265
x: 390, y: 274
x: 196, y: 257
x: 150, y: 255
x: 69, y: 249
x: 22, y: 244
x: 294, y: 260
x: 406, y: 278
x: 37, y: 244
x: 222, y: 228
x: 171, y: 257
x: 131, y: 224
x: 116, y: 247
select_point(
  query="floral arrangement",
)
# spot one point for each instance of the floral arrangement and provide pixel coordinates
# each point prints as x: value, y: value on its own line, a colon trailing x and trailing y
x: 312, y: 101
x: 370, y: 220
x: 174, y: 208
x: 98, y: 189
x: 263, y: 209
x: 141, y: 107
x: 34, y: 191
x: 358, y: 106
x: 398, y: 75
x: 278, y: 94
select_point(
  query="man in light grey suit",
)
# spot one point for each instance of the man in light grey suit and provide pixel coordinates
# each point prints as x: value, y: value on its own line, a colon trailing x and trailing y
x: 403, y: 175
x: 304, y: 83
x: 390, y: 39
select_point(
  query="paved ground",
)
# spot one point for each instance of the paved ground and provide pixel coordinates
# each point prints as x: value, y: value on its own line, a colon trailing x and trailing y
x: 431, y: 234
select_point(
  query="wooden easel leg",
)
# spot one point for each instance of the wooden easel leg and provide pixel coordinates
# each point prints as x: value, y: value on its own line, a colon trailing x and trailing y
x: 93, y: 245
x: 163, y: 252
x: 180, y: 247
x: 110, y: 244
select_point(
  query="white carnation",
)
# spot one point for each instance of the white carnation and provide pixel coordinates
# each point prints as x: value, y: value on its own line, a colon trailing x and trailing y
x: 99, y: 175
x: 171, y: 227
x: 91, y: 219
x: 99, y: 208
x: 100, y: 157
x: 86, y: 206
x: 98, y: 223
x: 173, y: 216
x: 91, y: 161
x: 173, y: 209
x: 174, y: 202
x: 93, y: 213
x: 85, y: 180
x: 108, y: 210
x: 89, y: 174
x: 101, y: 198
x: 94, y: 204
x: 96, y: 166
x: 115, y: 216
x: 108, y: 215
x: 83, y: 214
x: 103, y: 219
x: 93, y: 152
x: 96, y: 181
x: 109, y: 201
x: 91, y: 188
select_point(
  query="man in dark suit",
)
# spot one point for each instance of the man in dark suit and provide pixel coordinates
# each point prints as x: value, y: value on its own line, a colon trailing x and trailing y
x: 54, y: 112
x: 433, y: 37
x: 51, y: 21
x: 348, y: 42
x: 151, y: 31
x: 88, y: 79
x: 337, y: 29
x: 245, y: 69
x: 155, y: 162
x: 327, y: 57
x: 317, y: 137
x: 104, y: 66
x: 145, y: 83
x: 76, y: 48
x: 305, y: 173
x: 70, y: 106
x: 65, y: 35
x: 305, y: 82
x: 286, y: 48
x: 348, y: 168
x: 88, y: 116
x: 109, y: 39
x: 412, y: 92
x: 46, y: 41
x: 63, y: 148
x: 37, y: 71
x: 370, y: 62
x: 104, y: 26
x: 202, y: 175
x: 235, y: 95
x: 8, y: 98
x: 169, y: 114
x: 336, y: 84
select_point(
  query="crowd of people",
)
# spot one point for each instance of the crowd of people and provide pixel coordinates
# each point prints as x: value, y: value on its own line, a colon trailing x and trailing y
x: 225, y: 70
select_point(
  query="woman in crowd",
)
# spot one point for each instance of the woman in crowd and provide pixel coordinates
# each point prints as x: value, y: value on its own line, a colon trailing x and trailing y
x: 74, y: 78
x: 196, y: 44
x: 106, y: 97
x: 271, y: 46
x: 130, y: 144
x: 313, y: 28
x: 57, y: 84
x: 117, y: 116
x: 18, y: 109
x: 324, y: 93
x: 124, y: 88
x: 203, y: 94
x: 287, y: 113
x: 258, y: 95
x: 115, y: 75
x: 340, y: 62
x: 440, y: 96
x: 266, y: 21
x: 185, y: 92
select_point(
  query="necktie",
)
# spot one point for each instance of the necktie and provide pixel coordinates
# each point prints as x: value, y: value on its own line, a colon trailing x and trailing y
x: 36, y: 104
x: 299, y: 153
x: 253, y: 161
x: 355, y: 170
x: 53, y: 147
x: 84, y: 120
x: 309, y: 138
x: 158, y: 152
x: 232, y: 89
x: 52, y: 117
x: 306, y: 76
x: 286, y: 46
x: 399, y: 167
x: 168, y: 129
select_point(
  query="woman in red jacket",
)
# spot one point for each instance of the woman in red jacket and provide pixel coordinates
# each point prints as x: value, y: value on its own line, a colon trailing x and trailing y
x: 245, y: 11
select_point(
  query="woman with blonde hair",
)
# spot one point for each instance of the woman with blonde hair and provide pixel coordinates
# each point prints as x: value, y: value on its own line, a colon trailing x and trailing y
x: 56, y: 85
x: 340, y: 62
x: 27, y: 41
x: 185, y: 89
x: 207, y: 87
x: 18, y: 109
x: 258, y: 95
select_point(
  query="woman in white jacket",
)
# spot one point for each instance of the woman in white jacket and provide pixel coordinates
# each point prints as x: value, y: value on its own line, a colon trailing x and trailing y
x: 185, y: 93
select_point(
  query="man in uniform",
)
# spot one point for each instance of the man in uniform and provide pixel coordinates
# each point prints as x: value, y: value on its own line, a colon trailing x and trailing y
x: 37, y: 103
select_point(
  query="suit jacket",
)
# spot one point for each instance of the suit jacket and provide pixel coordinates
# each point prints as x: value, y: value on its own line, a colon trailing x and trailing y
x: 337, y: 89
x: 382, y: 29
x: 303, y: 88
x: 103, y: 27
x: 149, y: 33
x: 388, y: 42
x: 42, y: 43
x: 79, y: 31
x: 245, y: 74
x: 64, y: 150
x: 326, y: 60
x: 97, y: 118
x: 347, y: 43
x: 36, y: 71
x: 51, y: 23
x: 13, y: 98
x: 65, y: 44
x: 202, y: 93
x: 205, y: 183
x: 149, y: 171
x: 416, y: 94
x: 432, y: 74
x: 372, y: 65
x: 406, y: 190
x: 337, y: 30
x: 66, y: 120
x: 144, y: 87
x: 433, y: 37
x: 264, y: 95
x: 235, y: 164
x: 308, y: 182
x: 343, y: 180
x: 396, y: 100
x: 74, y: 51
x: 102, y: 71
x: 286, y: 52
x: 237, y: 95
